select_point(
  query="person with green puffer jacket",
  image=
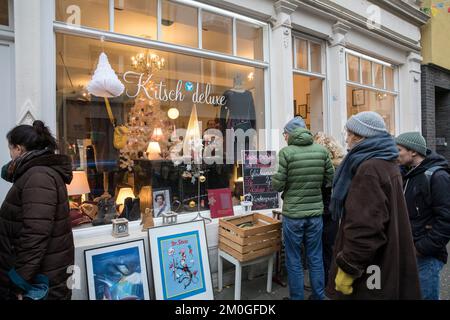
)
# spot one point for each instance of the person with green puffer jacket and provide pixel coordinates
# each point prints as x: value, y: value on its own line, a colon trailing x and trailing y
x: 303, y: 168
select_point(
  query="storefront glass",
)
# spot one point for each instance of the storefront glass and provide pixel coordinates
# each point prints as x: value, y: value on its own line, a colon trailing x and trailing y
x: 136, y: 18
x: 179, y: 24
x: 375, y: 91
x: 159, y: 100
x: 249, y: 40
x: 217, y: 32
x: 308, y: 82
x: 4, y: 12
x: 87, y: 13
x: 360, y: 99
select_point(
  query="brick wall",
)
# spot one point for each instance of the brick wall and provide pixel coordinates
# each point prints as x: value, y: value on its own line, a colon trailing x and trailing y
x: 436, y: 106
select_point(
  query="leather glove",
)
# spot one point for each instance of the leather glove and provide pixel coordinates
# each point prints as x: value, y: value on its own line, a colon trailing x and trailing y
x: 344, y: 282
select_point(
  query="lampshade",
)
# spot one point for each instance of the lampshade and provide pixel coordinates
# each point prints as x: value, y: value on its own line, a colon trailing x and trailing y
x: 153, y: 150
x: 79, y: 184
x: 123, y: 194
x: 157, y: 133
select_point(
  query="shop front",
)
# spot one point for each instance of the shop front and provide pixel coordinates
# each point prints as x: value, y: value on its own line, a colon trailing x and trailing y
x: 203, y: 81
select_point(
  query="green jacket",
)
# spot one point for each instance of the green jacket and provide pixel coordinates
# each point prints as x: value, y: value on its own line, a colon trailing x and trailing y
x: 303, y: 168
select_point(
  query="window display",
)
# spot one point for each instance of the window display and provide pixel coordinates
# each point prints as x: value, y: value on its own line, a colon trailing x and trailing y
x: 170, y: 104
x: 375, y: 91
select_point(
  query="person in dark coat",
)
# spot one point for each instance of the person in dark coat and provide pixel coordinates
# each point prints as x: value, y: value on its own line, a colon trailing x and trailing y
x: 36, y: 241
x: 330, y: 225
x: 427, y: 193
x: 374, y: 256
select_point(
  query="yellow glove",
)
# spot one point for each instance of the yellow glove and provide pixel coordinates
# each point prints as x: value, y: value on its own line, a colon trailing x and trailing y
x: 344, y: 282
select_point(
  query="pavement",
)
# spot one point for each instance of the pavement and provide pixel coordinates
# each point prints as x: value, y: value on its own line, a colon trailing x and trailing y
x: 256, y: 289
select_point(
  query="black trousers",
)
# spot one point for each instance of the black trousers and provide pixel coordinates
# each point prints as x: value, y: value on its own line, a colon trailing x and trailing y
x: 330, y: 229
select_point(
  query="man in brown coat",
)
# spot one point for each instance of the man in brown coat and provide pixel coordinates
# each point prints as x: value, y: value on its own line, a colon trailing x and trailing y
x: 374, y: 255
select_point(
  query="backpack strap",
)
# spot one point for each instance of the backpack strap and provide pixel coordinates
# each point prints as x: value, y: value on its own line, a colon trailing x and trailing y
x: 429, y: 174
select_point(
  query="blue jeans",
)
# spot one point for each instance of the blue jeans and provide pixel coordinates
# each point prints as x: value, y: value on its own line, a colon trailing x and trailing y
x: 429, y: 269
x: 309, y: 232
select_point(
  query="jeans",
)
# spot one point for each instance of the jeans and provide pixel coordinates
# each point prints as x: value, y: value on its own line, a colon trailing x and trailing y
x: 429, y: 269
x: 309, y: 231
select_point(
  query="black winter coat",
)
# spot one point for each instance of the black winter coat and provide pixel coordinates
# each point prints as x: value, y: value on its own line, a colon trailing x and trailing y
x: 35, y: 230
x: 429, y: 206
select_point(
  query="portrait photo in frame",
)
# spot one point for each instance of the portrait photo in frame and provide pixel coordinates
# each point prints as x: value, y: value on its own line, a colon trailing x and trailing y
x: 161, y: 201
x: 180, y: 262
x: 358, y: 97
x: 117, y: 272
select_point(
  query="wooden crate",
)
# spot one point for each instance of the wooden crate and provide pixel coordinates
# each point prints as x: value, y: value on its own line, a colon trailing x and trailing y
x: 248, y: 243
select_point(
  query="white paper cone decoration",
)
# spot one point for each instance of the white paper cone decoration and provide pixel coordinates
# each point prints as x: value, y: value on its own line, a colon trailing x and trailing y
x: 105, y: 82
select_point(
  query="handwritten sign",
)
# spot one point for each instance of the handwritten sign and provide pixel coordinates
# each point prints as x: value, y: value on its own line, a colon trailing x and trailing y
x: 258, y: 168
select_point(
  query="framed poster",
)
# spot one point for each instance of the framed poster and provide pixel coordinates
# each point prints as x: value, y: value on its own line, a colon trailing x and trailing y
x: 358, y: 98
x: 180, y: 262
x: 161, y: 201
x: 117, y: 272
x: 303, y: 111
x: 220, y: 203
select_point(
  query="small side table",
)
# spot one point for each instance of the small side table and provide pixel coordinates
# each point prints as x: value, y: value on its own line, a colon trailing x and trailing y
x: 238, y: 274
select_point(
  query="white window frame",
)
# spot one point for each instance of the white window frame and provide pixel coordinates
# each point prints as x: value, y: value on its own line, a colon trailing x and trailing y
x: 372, y: 87
x: 309, y: 40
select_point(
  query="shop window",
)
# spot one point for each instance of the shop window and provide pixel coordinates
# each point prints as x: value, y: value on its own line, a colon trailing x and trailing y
x: 87, y: 13
x: 4, y: 12
x: 136, y: 18
x: 180, y: 89
x: 353, y: 68
x: 308, y: 101
x: 316, y: 57
x: 378, y: 75
x: 249, y: 40
x: 366, y: 67
x: 301, y: 52
x: 179, y: 24
x: 361, y: 99
x: 217, y: 32
x: 389, y: 76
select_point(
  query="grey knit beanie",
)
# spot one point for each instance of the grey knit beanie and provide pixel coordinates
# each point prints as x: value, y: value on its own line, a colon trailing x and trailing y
x: 413, y: 141
x: 295, y: 123
x: 366, y: 124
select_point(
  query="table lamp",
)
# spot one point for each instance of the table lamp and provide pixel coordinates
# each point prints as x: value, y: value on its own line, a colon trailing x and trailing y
x: 79, y: 185
x: 124, y: 193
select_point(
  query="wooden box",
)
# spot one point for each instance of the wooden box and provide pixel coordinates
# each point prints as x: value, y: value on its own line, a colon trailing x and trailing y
x: 249, y: 236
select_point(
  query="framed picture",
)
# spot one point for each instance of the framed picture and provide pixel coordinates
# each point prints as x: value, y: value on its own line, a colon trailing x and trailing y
x: 180, y: 262
x: 220, y: 203
x: 161, y: 201
x: 303, y: 111
x: 358, y: 98
x: 117, y: 272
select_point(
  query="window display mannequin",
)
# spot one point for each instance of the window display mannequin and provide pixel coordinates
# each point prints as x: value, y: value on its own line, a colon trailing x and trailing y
x: 238, y: 113
x: 239, y: 109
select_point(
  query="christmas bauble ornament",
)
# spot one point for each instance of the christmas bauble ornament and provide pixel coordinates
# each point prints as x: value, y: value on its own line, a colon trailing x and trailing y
x: 192, y: 204
x: 202, y: 179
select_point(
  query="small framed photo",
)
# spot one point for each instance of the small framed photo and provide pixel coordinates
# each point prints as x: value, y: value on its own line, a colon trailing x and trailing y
x: 161, y: 202
x: 358, y: 97
x: 117, y: 272
x: 180, y: 262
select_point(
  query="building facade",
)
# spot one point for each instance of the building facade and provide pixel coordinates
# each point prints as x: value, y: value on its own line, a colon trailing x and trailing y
x: 436, y: 78
x: 182, y: 63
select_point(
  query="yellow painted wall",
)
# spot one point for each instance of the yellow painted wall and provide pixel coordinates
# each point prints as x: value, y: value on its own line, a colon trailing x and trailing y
x: 436, y: 35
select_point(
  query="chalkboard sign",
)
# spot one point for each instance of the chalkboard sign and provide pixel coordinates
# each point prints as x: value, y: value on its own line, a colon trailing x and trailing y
x: 258, y: 168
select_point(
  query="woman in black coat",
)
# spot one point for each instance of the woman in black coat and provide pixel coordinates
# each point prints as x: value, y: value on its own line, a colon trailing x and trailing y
x: 36, y: 242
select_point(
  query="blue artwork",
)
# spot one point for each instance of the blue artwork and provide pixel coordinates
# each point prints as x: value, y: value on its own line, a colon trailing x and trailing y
x: 118, y: 275
x: 181, y: 266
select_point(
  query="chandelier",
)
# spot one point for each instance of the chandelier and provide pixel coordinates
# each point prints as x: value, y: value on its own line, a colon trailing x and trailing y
x: 147, y: 62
